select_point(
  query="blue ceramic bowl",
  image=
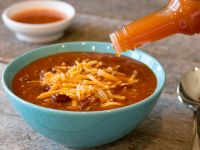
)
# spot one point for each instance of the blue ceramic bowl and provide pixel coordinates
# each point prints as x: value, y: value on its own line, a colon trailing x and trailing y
x: 82, y: 129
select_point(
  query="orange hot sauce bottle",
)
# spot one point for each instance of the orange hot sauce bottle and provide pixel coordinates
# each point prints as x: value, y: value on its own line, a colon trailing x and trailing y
x: 179, y: 16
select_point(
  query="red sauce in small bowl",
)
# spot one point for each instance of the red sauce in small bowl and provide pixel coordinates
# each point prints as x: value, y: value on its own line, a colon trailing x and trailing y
x: 38, y: 16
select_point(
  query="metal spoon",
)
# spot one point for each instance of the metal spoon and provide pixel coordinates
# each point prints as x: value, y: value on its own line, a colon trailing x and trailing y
x: 188, y: 92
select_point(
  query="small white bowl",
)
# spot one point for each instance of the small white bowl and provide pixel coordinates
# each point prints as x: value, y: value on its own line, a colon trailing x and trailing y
x: 38, y: 33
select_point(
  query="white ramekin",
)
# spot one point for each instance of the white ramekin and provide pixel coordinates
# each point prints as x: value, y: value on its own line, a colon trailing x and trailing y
x: 38, y: 33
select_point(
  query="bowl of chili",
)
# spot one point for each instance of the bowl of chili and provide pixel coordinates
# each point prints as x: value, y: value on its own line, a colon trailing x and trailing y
x: 83, y: 128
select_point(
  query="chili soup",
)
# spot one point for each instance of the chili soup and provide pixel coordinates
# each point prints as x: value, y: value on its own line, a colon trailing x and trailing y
x: 84, y: 81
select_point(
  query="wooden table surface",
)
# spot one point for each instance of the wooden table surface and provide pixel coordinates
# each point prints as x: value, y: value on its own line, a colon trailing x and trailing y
x: 169, y: 125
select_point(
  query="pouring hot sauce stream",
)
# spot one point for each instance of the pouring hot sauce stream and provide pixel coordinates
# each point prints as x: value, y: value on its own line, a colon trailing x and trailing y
x: 179, y: 16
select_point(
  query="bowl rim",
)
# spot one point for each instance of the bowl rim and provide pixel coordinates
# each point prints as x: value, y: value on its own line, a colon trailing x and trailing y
x: 147, y: 100
x: 5, y: 16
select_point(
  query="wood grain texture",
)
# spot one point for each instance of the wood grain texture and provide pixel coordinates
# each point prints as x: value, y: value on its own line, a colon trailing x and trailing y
x: 168, y: 127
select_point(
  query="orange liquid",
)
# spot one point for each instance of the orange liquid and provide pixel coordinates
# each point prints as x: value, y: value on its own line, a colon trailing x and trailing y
x: 38, y: 16
x: 180, y: 16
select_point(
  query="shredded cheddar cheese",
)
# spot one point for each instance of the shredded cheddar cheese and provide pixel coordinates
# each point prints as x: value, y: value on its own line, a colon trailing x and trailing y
x: 87, y: 78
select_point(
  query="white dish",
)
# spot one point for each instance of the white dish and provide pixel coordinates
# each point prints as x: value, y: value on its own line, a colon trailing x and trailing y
x: 38, y: 33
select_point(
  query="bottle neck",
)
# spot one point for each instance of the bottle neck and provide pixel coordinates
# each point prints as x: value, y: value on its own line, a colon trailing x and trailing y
x: 144, y: 31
